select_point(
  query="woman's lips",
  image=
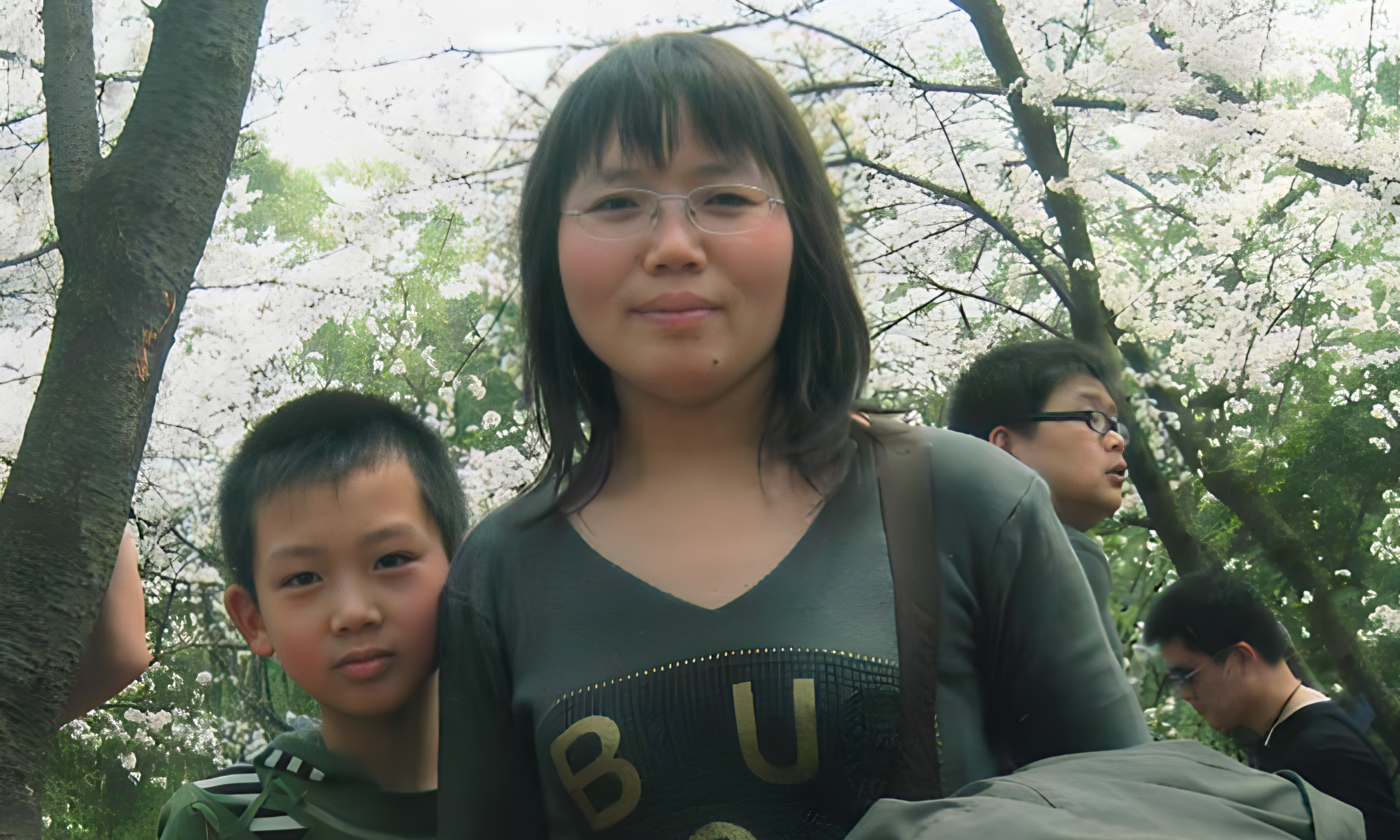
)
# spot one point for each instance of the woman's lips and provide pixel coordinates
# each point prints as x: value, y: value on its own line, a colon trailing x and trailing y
x: 677, y: 309
x: 676, y: 318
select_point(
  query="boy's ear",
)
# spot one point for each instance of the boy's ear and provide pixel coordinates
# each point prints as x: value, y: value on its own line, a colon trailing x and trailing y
x: 248, y: 619
x: 1000, y: 437
x: 1248, y: 654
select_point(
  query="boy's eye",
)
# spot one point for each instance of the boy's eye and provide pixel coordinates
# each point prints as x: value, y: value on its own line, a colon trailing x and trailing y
x: 392, y: 561
x: 301, y: 579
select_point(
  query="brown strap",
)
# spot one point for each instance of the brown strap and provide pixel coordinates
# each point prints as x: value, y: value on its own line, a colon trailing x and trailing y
x: 906, y: 504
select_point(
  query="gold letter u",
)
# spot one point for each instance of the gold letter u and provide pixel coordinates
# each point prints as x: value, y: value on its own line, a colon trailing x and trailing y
x: 804, y: 710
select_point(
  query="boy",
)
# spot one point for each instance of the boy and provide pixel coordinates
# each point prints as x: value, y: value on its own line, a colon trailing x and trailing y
x: 338, y: 515
x: 1050, y: 405
x: 1226, y: 655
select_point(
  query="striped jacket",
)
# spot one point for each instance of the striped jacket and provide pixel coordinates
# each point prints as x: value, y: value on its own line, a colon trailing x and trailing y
x: 296, y: 789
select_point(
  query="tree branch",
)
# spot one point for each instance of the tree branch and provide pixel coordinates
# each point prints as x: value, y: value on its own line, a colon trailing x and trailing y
x: 32, y: 255
x: 965, y: 293
x: 971, y: 206
x: 16, y: 58
x: 19, y: 118
x: 1334, y: 174
x: 71, y: 99
x: 1037, y: 130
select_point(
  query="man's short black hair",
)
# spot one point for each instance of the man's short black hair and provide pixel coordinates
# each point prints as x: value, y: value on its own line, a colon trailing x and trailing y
x: 323, y: 437
x: 1209, y: 611
x: 1014, y: 381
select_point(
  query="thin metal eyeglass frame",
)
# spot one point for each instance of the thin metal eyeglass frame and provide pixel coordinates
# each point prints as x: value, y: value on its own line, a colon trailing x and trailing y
x: 689, y: 212
x: 1180, y: 681
x: 1111, y: 423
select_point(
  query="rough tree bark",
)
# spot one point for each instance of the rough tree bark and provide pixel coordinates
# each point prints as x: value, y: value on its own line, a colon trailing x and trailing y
x: 132, y: 228
x: 1093, y: 323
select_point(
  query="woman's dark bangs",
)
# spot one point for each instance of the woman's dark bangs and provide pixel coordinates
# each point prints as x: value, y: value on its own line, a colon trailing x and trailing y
x: 640, y: 98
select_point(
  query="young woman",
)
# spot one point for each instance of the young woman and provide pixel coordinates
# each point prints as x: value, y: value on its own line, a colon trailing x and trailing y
x: 686, y: 628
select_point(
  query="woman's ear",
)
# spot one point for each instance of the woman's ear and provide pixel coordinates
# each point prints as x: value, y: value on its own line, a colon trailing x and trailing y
x: 248, y: 619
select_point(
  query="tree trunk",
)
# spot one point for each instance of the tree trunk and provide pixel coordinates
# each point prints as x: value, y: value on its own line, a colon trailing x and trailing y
x: 132, y: 228
x: 1090, y: 322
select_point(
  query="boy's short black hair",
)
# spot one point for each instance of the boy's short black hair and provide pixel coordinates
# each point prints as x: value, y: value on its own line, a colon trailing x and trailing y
x: 1013, y: 382
x: 1211, y: 610
x: 323, y: 437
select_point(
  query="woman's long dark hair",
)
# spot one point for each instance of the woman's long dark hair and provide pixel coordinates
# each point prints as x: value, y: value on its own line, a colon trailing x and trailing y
x: 638, y: 93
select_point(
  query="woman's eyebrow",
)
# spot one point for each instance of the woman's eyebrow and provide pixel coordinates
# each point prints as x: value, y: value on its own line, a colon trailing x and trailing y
x: 619, y: 176
x: 628, y: 175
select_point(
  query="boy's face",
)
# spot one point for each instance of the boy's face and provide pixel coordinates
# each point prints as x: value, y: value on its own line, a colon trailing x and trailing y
x: 1212, y: 687
x: 1085, y: 470
x: 348, y: 579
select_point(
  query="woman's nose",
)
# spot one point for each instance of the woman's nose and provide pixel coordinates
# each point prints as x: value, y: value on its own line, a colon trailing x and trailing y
x: 675, y: 242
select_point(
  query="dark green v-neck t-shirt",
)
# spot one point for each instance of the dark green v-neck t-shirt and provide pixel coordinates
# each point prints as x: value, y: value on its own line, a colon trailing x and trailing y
x: 579, y: 701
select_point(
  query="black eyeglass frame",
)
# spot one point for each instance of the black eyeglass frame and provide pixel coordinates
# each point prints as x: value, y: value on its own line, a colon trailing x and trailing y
x: 1089, y: 416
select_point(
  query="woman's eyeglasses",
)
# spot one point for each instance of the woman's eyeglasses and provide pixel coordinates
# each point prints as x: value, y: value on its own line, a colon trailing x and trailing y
x: 1096, y: 420
x: 717, y: 209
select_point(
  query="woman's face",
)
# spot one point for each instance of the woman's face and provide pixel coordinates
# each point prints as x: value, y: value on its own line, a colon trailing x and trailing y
x: 676, y: 313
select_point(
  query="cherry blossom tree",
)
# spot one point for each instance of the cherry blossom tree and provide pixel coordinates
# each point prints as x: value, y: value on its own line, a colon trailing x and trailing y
x: 130, y: 226
x: 1207, y: 191
x: 1158, y: 180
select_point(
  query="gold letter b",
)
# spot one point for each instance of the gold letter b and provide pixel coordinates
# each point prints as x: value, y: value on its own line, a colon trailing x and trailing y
x: 606, y: 762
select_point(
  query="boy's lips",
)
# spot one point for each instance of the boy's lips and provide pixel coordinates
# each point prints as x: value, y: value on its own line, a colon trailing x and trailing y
x: 364, y: 662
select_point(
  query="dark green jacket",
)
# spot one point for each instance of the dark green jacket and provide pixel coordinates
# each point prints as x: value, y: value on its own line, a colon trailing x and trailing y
x: 1166, y: 790
x: 1097, y: 570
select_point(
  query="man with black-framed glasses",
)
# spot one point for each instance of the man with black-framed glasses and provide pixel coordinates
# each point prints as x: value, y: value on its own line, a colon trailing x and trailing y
x: 1052, y: 406
x: 1225, y: 651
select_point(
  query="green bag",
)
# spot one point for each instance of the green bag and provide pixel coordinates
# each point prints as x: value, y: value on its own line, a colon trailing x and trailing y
x: 1166, y: 790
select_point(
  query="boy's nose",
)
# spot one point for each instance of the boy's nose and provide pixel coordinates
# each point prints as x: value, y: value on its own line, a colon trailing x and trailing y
x: 355, y: 610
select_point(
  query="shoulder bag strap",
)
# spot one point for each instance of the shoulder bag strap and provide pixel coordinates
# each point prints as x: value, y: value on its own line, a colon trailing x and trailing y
x: 905, y: 475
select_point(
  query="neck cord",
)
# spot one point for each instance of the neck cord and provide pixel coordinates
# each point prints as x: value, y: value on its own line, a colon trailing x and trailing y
x: 1274, y: 725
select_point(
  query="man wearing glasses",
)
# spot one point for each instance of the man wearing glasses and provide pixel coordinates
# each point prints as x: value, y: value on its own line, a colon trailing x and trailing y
x: 1050, y: 405
x: 1226, y: 654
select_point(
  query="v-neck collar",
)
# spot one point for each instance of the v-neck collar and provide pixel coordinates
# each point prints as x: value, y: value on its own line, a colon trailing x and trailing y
x: 815, y: 529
